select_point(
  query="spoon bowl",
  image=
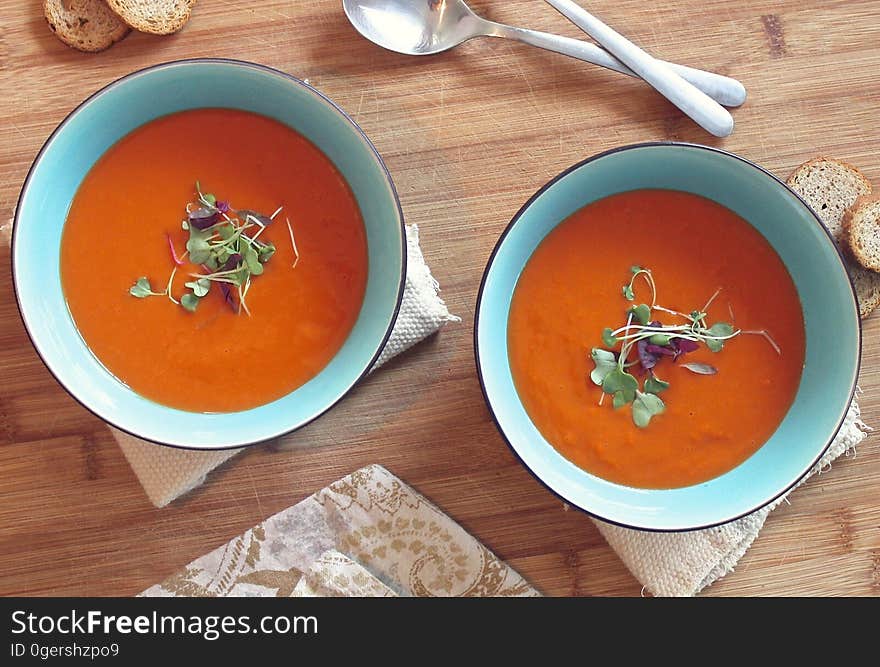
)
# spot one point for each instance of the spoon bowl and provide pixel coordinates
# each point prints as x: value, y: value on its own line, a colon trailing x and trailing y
x: 419, y: 28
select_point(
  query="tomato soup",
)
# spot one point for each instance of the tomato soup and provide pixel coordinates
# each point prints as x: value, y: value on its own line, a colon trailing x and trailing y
x: 128, y: 215
x: 571, y: 289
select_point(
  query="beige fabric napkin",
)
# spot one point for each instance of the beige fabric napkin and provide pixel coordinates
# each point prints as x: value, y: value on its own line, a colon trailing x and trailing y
x: 683, y: 564
x: 368, y: 534
x: 167, y: 473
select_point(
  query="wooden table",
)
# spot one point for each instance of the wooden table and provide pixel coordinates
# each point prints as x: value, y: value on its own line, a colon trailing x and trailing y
x: 468, y: 136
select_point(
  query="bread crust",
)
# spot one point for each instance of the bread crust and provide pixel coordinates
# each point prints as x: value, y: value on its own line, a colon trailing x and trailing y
x: 800, y: 180
x: 157, y: 17
x: 86, y: 25
x: 867, y: 286
x: 866, y: 282
x: 858, y: 227
x: 819, y: 159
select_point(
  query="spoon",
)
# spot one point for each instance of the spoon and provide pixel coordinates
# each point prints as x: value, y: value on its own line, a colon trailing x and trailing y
x: 426, y: 27
x: 705, y: 111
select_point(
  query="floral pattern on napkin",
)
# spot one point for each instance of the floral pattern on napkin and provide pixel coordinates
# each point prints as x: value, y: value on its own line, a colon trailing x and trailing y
x: 366, y: 534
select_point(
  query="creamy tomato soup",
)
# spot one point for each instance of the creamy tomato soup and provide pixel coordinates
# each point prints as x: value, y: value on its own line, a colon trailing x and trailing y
x: 719, y: 407
x: 126, y: 222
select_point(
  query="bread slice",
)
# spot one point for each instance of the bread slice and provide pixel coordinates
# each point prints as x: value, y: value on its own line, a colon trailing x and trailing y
x: 830, y: 187
x: 867, y: 285
x: 86, y: 25
x: 861, y: 229
x: 159, y: 17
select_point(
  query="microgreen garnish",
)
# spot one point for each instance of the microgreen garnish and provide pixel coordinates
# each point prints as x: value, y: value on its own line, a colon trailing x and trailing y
x: 652, y: 341
x: 174, y: 258
x: 142, y: 288
x: 654, y: 385
x: 292, y: 243
x: 199, y: 287
x: 700, y: 369
x: 645, y: 406
x: 189, y: 301
x: 223, y: 242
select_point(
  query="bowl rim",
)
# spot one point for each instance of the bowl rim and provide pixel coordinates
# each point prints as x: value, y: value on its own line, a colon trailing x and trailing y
x: 245, y: 64
x: 540, y: 192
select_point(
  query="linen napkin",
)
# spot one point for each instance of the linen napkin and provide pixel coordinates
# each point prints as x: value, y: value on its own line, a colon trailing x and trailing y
x: 167, y: 473
x: 368, y: 534
x: 683, y: 564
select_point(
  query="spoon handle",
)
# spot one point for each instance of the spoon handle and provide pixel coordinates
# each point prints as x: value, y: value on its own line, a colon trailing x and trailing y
x: 722, y: 89
x: 704, y: 110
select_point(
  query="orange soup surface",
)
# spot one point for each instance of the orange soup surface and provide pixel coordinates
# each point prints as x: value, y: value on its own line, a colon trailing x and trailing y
x: 571, y: 289
x: 213, y: 360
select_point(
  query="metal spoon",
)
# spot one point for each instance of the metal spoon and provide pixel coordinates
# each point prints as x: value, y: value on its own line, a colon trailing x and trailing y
x: 425, y: 27
x: 705, y: 111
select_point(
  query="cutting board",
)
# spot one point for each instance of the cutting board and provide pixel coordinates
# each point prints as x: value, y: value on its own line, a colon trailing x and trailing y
x: 468, y: 136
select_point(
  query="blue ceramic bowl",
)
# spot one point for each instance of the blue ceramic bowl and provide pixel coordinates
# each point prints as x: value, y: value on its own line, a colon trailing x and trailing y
x: 104, y: 119
x: 833, y: 335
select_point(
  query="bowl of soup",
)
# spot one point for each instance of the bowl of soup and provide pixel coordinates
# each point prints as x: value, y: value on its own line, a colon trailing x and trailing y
x: 667, y: 336
x: 208, y: 253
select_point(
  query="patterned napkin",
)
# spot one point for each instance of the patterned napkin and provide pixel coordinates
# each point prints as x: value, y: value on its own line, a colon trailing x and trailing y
x: 368, y: 534
x: 683, y: 564
x: 166, y: 472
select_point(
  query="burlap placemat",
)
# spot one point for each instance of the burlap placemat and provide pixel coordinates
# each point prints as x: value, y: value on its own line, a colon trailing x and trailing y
x: 683, y: 564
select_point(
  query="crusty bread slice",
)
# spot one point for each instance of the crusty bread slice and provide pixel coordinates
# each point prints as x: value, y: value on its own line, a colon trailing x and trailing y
x: 831, y: 187
x: 159, y: 17
x: 867, y: 284
x: 86, y: 25
x: 861, y: 229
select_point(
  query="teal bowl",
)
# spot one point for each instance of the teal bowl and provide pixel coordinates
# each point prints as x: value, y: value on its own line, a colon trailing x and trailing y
x: 833, y: 334
x: 105, y: 118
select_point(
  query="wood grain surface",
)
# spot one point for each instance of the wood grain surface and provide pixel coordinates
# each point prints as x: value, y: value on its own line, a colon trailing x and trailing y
x: 468, y: 136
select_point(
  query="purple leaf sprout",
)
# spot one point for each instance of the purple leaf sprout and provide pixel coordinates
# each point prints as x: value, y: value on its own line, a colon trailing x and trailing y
x: 232, y: 263
x: 647, y: 359
x: 202, y: 218
x: 683, y: 346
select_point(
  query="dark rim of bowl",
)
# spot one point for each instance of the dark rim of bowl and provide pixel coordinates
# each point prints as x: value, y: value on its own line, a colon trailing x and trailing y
x: 515, y: 219
x: 333, y: 106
